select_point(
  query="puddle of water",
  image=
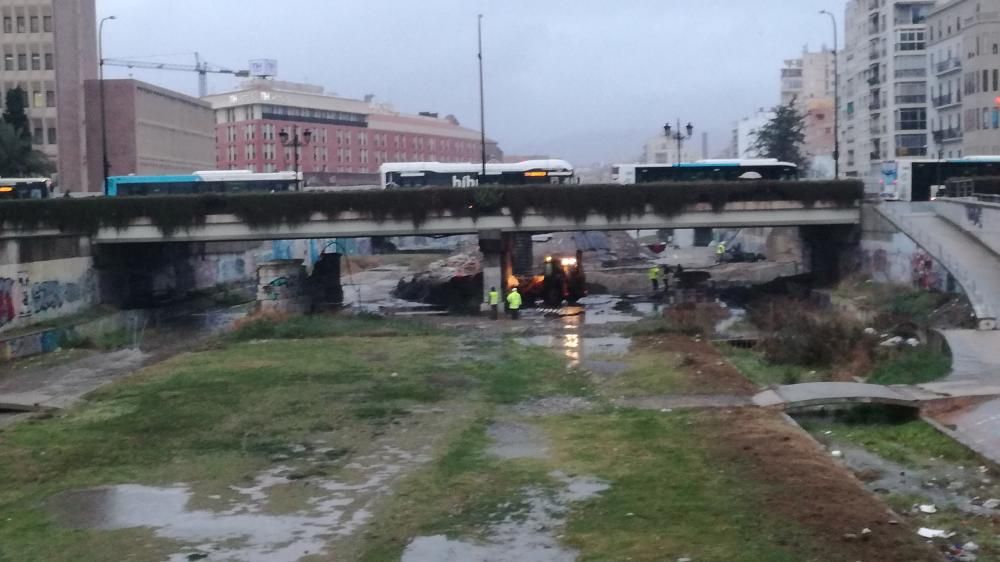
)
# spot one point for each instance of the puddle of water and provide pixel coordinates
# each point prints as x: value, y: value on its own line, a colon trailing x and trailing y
x: 517, y: 441
x: 526, y: 536
x: 243, y: 530
x: 577, y: 348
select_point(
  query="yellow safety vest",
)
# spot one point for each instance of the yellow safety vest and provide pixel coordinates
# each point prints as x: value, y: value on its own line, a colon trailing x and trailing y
x: 494, y: 298
x: 654, y: 273
x: 721, y: 249
x: 514, y: 300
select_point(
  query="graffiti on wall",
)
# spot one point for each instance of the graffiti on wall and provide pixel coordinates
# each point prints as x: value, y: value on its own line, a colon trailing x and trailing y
x: 23, y: 298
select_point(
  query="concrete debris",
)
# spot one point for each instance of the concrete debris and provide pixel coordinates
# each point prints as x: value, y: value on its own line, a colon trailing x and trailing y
x: 892, y: 342
x: 991, y: 504
x: 913, y: 342
x: 870, y: 331
x: 928, y: 508
x: 934, y: 533
x: 837, y: 454
x: 970, y: 547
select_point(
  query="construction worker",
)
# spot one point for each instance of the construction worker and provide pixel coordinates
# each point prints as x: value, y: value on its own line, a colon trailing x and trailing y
x: 514, y: 304
x: 654, y: 277
x: 494, y: 302
x: 720, y: 251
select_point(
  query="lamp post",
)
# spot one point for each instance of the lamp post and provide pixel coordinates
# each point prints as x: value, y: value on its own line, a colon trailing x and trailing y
x: 294, y: 141
x: 836, y: 97
x: 482, y: 103
x: 106, y: 163
x: 679, y: 136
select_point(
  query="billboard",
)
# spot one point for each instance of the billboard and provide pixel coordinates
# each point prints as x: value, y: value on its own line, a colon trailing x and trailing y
x: 264, y: 67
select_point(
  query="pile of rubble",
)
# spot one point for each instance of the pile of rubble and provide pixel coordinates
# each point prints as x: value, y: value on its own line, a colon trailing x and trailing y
x: 454, y: 282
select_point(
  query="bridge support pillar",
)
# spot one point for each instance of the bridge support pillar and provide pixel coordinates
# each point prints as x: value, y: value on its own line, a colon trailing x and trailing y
x: 281, y: 286
x: 496, y: 250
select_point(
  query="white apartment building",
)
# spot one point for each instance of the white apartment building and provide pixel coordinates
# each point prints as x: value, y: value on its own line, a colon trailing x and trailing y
x: 964, y: 46
x: 884, y: 100
x: 808, y: 77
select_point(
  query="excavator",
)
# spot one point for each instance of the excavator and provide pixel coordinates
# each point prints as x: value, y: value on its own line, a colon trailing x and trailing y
x: 562, y: 280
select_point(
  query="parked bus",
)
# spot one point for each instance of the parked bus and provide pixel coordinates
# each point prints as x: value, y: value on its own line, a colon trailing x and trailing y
x: 438, y: 174
x: 216, y: 181
x: 921, y: 180
x: 705, y: 170
x: 25, y: 188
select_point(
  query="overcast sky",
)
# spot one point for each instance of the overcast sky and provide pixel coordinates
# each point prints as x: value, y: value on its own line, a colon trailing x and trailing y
x: 587, y: 80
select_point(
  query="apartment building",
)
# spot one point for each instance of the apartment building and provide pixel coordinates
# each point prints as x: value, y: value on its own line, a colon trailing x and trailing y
x: 964, y: 46
x: 884, y: 101
x: 49, y: 49
x: 808, y: 77
x: 347, y: 136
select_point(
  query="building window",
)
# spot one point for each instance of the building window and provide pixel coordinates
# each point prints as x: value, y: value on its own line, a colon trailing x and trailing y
x: 52, y: 135
x: 20, y: 24
x: 50, y: 98
x: 36, y: 61
x: 22, y: 62
x: 47, y: 24
x: 33, y: 22
x: 49, y: 61
x: 36, y: 136
x: 8, y: 62
x: 38, y: 99
x: 910, y: 41
x: 912, y: 119
x: 8, y: 25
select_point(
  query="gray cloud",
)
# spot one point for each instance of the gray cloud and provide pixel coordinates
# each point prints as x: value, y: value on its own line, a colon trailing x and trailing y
x: 588, y: 80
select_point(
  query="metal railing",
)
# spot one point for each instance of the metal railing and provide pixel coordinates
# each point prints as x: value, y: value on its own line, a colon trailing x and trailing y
x: 911, y: 73
x: 942, y: 101
x: 915, y: 98
x: 948, y: 65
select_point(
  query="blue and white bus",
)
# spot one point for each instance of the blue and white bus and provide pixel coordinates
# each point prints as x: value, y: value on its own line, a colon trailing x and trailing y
x: 923, y: 179
x: 437, y: 174
x: 705, y: 170
x: 216, y: 181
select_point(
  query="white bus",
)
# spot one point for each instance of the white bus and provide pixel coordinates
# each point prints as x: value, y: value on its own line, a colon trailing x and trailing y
x: 922, y: 179
x: 705, y: 170
x: 437, y: 174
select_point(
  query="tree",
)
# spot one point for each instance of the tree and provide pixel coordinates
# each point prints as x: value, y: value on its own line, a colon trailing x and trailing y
x: 18, y: 158
x: 15, y: 114
x: 783, y: 136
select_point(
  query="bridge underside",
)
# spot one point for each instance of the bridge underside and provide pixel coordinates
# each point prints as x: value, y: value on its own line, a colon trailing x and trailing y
x: 222, y: 228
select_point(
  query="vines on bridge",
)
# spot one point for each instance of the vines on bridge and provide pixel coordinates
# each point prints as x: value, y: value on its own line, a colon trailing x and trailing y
x: 262, y: 210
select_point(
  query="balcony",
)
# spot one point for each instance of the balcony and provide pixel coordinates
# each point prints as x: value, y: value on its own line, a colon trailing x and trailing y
x: 875, y: 156
x: 873, y: 55
x: 911, y: 125
x: 903, y: 151
x: 875, y: 130
x: 951, y: 65
x: 912, y: 99
x: 945, y: 101
x: 948, y: 135
x: 905, y: 73
x: 874, y: 81
x: 875, y: 105
x: 872, y: 5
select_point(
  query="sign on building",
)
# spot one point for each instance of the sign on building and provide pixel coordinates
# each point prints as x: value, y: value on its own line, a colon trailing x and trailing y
x: 264, y: 67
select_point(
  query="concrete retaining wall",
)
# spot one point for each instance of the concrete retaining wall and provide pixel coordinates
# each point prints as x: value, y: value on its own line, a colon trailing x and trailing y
x: 980, y: 220
x: 889, y: 256
x: 51, y: 339
x: 45, y: 290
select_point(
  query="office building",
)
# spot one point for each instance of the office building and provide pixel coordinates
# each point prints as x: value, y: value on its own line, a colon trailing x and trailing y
x: 151, y: 130
x: 49, y: 49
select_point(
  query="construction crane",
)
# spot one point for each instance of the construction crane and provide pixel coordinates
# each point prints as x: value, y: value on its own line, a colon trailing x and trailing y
x: 201, y: 67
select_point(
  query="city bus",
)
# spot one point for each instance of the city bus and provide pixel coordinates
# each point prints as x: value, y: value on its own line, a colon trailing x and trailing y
x: 705, y: 170
x: 25, y: 188
x: 215, y: 181
x: 438, y: 174
x: 922, y: 179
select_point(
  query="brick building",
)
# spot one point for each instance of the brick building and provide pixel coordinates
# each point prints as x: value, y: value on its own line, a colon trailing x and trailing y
x: 348, y: 137
x: 151, y: 130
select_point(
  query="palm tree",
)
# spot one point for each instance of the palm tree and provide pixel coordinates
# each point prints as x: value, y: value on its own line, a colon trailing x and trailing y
x: 18, y: 158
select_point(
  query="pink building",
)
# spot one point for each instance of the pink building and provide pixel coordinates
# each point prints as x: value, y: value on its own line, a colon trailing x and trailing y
x: 348, y: 137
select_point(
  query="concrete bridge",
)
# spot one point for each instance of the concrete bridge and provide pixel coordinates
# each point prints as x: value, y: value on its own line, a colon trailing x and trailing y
x: 948, y: 231
x: 808, y: 395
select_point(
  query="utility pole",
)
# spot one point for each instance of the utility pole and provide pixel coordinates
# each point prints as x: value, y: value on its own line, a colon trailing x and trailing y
x: 106, y: 163
x: 836, y: 97
x: 482, y: 102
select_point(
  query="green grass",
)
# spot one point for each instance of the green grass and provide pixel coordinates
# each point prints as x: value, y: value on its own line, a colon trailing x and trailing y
x: 649, y: 327
x: 668, y: 496
x: 329, y: 326
x: 912, y: 443
x: 650, y: 372
x: 912, y: 367
x: 755, y: 367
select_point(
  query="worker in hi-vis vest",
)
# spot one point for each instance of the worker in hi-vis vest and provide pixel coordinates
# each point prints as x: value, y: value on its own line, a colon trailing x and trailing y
x: 720, y: 251
x: 655, y: 273
x: 494, y: 302
x: 514, y: 303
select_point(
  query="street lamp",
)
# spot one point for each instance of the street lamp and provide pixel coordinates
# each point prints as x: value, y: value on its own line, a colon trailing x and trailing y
x: 294, y: 141
x: 836, y: 97
x: 679, y: 136
x: 104, y: 122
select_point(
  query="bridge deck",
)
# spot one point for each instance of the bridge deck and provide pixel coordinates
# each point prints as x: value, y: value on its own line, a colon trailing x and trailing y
x: 832, y: 393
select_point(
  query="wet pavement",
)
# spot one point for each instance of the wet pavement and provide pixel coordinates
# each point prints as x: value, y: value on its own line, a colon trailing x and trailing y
x: 239, y: 525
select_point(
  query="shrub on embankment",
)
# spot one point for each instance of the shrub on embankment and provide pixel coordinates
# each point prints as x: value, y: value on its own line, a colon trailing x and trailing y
x: 260, y: 210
